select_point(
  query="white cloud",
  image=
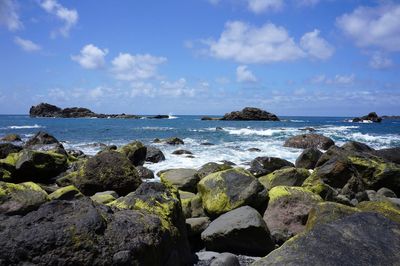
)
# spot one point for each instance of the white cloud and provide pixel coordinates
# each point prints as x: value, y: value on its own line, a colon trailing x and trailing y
x: 247, y: 44
x: 380, y: 61
x: 373, y: 26
x: 243, y: 74
x: 91, y: 57
x: 9, y: 16
x: 337, y: 80
x: 176, y: 88
x: 136, y: 67
x: 316, y: 46
x: 259, y: 6
x: 68, y: 16
x: 27, y: 45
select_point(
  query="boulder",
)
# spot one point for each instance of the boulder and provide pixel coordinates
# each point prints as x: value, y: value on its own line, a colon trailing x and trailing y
x: 144, y: 173
x: 390, y: 154
x: 386, y: 208
x: 289, y: 176
x: 55, y: 148
x: 20, y: 198
x: 182, y: 178
x: 358, y: 239
x: 373, y: 117
x: 7, y: 148
x: 174, y: 141
x: 265, y: 165
x: 386, y: 193
x: 308, y: 158
x: 287, y: 211
x: 82, y: 233
x: 211, y: 167
x: 195, y: 227
x: 309, y: 141
x: 250, y: 113
x: 154, y: 155
x: 355, y: 146
x: 230, y: 189
x: 240, y: 231
x: 66, y: 193
x: 11, y: 138
x: 104, y: 197
x: 135, y: 152
x: 106, y: 171
x: 41, y: 138
x: 181, y: 152
x: 225, y: 259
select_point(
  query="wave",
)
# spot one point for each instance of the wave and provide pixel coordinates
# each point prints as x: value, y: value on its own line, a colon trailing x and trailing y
x: 25, y: 127
x: 258, y: 132
x: 297, y: 121
x: 172, y: 117
x: 156, y: 128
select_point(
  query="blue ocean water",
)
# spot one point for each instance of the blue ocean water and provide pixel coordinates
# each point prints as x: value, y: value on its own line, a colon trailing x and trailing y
x: 231, y: 143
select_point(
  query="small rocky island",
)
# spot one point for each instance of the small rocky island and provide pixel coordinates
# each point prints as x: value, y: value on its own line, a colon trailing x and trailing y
x: 370, y: 118
x: 49, y: 110
x: 247, y: 114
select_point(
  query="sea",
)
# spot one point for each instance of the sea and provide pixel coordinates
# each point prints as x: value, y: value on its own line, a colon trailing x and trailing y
x: 228, y: 140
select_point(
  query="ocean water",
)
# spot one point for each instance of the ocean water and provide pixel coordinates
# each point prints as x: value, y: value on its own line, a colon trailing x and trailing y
x: 231, y: 143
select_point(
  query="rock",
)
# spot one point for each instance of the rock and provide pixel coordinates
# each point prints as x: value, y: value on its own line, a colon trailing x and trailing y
x: 144, y: 173
x: 182, y: 178
x: 20, y: 198
x: 54, y: 148
x: 180, y: 152
x: 44, y: 110
x: 174, y: 141
x: 358, y: 239
x: 386, y: 193
x: 289, y: 176
x: 41, y: 138
x: 105, y: 197
x: 386, y: 208
x: 219, y: 129
x: 106, y: 171
x: 135, y: 152
x: 355, y: 146
x: 265, y: 165
x: 310, y: 129
x: 240, y: 231
x: 158, y: 117
x: 66, y: 193
x: 156, y: 198
x: 82, y: 233
x: 287, y: 211
x: 207, y: 144
x: 254, y: 150
x: 76, y: 153
x: 154, y: 155
x: 211, y: 167
x: 309, y: 141
x: 210, y: 118
x: 186, y: 202
x: 390, y: 154
x: 230, y: 189
x: 7, y: 148
x: 250, y: 113
x: 308, y: 158
x: 373, y: 117
x: 11, y: 138
x: 195, y: 227
x: 225, y: 259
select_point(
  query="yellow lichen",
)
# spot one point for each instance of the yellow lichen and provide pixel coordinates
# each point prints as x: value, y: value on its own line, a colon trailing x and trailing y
x: 386, y: 208
x: 59, y: 193
x: 285, y: 191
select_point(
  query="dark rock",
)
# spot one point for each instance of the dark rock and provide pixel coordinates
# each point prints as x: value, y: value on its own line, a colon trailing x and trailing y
x: 174, y: 141
x: 82, y: 233
x: 135, y: 152
x: 44, y: 110
x: 55, y: 148
x: 355, y: 146
x: 144, y: 173
x: 288, y: 176
x: 254, y: 150
x: 250, y: 113
x: 390, y: 154
x: 225, y: 259
x: 154, y: 155
x: 158, y: 117
x: 207, y: 144
x: 106, y: 171
x: 219, y: 129
x: 310, y: 129
x: 11, y: 138
x: 182, y: 178
x: 386, y: 193
x: 358, y: 239
x: 180, y: 152
x: 370, y: 117
x: 76, y: 153
x: 240, y: 231
x: 309, y: 141
x: 195, y: 227
x: 210, y: 118
x: 211, y: 167
x: 308, y: 158
x: 7, y: 148
x: 66, y: 193
x: 41, y: 138
x: 264, y: 165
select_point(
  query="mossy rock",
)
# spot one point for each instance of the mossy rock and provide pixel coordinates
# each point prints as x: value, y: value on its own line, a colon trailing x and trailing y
x: 288, y: 210
x: 230, y: 189
x: 11, y: 138
x: 211, y: 167
x: 186, y: 199
x: 385, y: 208
x: 135, y: 152
x: 104, y: 197
x: 7, y: 148
x: 66, y: 193
x: 21, y: 198
x: 182, y: 178
x: 314, y: 184
x: 285, y: 177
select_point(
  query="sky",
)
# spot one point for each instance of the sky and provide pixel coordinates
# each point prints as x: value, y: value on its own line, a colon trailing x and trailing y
x: 289, y: 57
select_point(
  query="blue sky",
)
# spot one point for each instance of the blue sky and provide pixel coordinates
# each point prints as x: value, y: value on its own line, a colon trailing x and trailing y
x: 290, y: 57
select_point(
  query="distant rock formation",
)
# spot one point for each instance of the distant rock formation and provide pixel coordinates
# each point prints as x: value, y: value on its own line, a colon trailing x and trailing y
x: 372, y: 117
x: 49, y: 110
x: 250, y: 113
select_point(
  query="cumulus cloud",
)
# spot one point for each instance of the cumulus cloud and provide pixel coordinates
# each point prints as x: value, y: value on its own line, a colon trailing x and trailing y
x: 136, y: 67
x: 259, y: 6
x: 68, y: 16
x: 243, y: 74
x: 373, y: 26
x: 9, y: 17
x: 91, y: 57
x: 27, y: 45
x: 380, y: 61
x: 316, y: 46
x: 176, y: 88
x: 247, y: 44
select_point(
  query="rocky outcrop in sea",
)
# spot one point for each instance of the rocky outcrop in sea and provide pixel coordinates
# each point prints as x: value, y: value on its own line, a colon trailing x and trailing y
x: 371, y: 117
x: 247, y: 114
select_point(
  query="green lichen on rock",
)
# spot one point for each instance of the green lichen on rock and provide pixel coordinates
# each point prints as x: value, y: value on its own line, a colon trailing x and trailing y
x: 285, y: 177
x: 66, y: 193
x: 279, y: 192
x: 135, y: 152
x: 20, y: 198
x: 316, y: 185
x: 11, y: 159
x: 104, y: 197
x: 186, y: 200
x: 386, y: 208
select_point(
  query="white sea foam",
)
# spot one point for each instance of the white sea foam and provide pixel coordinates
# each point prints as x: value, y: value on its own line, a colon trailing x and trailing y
x: 297, y: 121
x: 25, y: 127
x: 156, y: 128
x: 258, y: 132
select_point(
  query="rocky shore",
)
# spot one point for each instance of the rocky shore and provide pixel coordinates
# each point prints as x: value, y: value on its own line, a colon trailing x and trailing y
x: 48, y: 110
x: 334, y: 205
